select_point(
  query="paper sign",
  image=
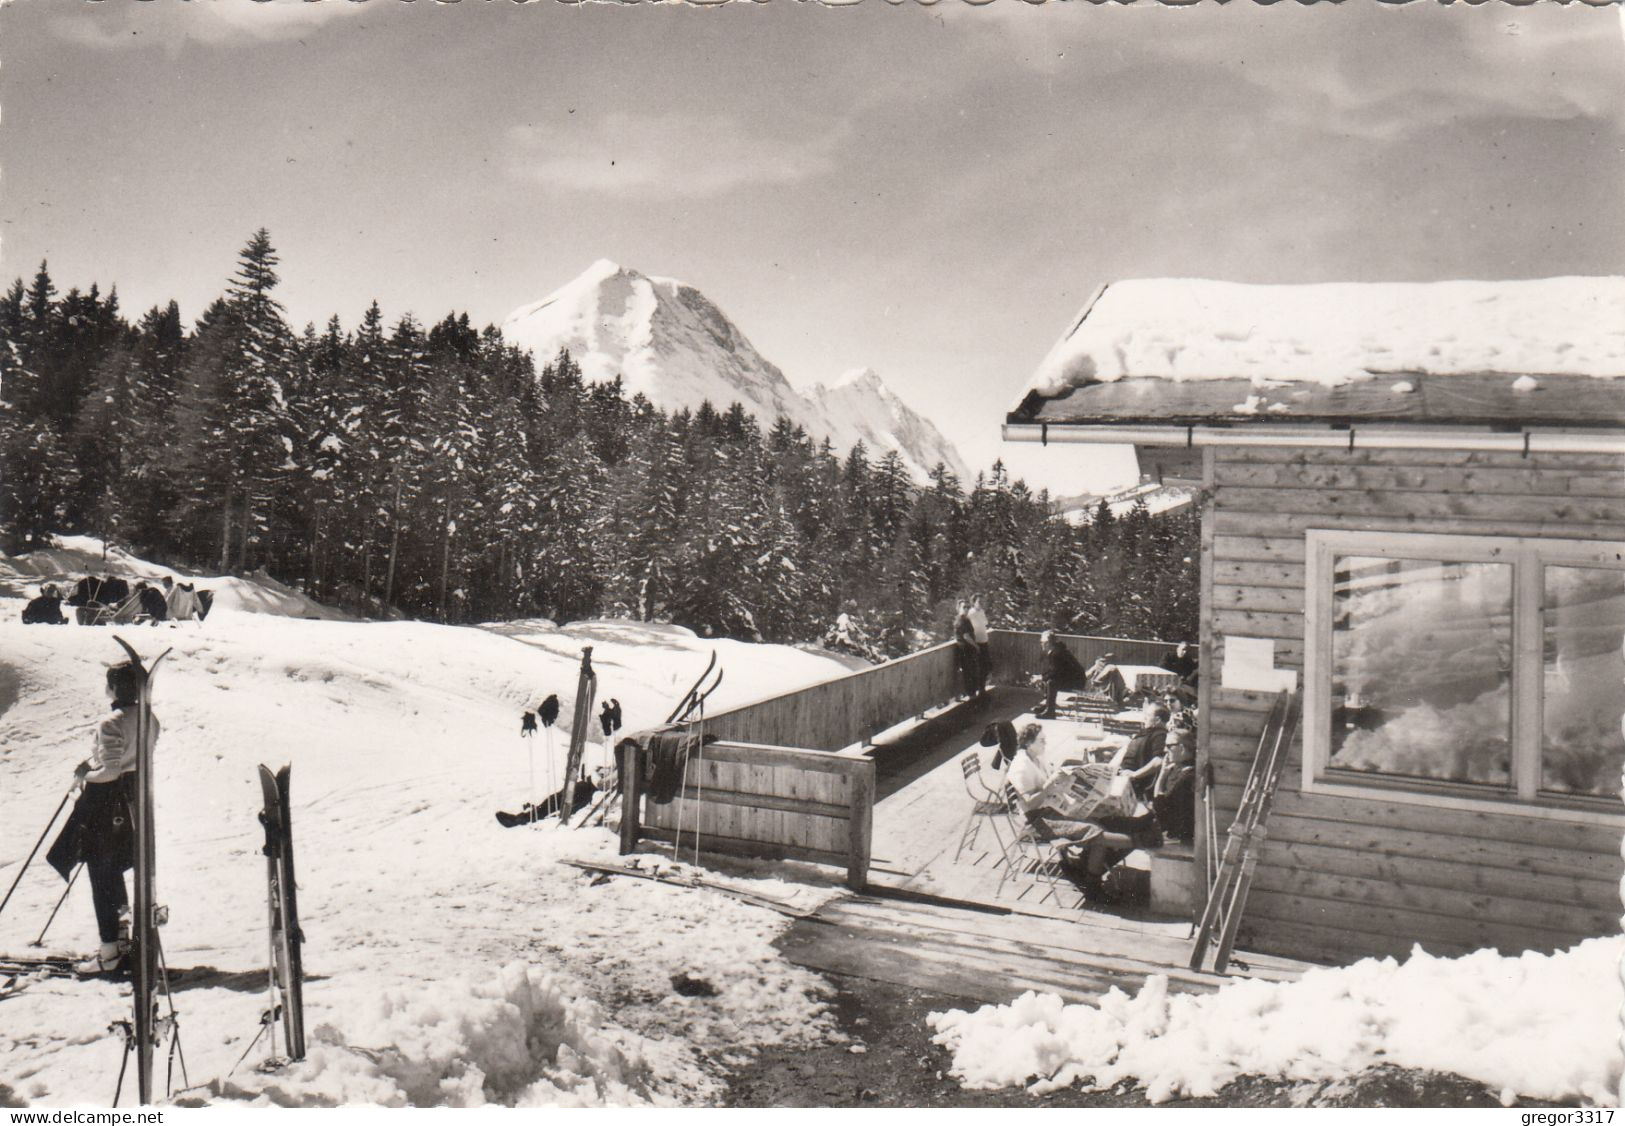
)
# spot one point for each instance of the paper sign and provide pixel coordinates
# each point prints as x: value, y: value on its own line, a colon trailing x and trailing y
x: 1249, y: 666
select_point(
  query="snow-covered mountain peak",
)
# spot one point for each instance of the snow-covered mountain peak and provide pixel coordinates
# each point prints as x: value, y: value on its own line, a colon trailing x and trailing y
x: 864, y: 377
x: 671, y: 343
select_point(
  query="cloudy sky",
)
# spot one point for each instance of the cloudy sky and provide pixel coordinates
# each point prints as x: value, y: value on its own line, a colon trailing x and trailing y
x: 929, y: 191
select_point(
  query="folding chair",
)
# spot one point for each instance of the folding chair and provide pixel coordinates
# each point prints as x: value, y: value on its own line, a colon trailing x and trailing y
x: 1038, y: 849
x: 127, y: 611
x: 985, y: 806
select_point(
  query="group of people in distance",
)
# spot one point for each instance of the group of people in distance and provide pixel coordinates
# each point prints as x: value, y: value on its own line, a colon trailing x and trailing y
x: 1102, y: 679
x: 971, y: 646
x: 99, y: 600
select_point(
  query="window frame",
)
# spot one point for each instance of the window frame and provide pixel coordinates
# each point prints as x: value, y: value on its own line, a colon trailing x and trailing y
x: 1528, y: 556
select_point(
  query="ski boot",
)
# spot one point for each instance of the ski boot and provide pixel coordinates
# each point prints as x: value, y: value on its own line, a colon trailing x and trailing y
x: 110, y: 960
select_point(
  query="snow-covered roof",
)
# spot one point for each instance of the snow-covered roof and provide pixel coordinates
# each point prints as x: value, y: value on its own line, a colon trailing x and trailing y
x: 1413, y: 351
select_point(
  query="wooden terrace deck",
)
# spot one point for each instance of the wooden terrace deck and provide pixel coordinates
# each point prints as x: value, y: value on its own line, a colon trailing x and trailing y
x: 932, y: 922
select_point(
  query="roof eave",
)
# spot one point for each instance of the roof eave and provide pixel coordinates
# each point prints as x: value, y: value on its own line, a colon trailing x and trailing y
x: 1350, y: 436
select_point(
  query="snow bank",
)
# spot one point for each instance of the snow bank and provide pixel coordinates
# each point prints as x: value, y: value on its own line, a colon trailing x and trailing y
x: 1331, y: 333
x: 1537, y: 1026
x: 522, y: 1039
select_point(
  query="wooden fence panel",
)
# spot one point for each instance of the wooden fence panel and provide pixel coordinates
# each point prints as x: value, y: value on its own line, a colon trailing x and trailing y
x: 1017, y: 656
x: 846, y: 711
x: 766, y: 801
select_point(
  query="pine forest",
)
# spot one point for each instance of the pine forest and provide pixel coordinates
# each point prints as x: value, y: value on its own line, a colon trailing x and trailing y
x: 433, y: 472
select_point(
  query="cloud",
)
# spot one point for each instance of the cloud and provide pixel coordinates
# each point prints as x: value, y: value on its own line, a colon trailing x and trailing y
x: 672, y: 153
x: 1375, y: 71
x: 112, y: 25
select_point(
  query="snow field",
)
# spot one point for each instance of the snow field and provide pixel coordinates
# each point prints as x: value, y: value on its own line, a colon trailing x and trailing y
x: 1536, y: 1026
x: 449, y: 961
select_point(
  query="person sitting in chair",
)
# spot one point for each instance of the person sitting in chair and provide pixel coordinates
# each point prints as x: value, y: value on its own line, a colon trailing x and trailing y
x: 1183, y: 664
x: 1143, y: 757
x: 1101, y: 839
x: 1173, y: 794
x: 1104, y: 679
x: 46, y: 609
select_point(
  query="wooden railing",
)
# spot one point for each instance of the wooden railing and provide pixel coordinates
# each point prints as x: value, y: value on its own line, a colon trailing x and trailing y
x: 849, y: 710
x: 770, y: 786
x: 762, y: 801
x: 1017, y: 656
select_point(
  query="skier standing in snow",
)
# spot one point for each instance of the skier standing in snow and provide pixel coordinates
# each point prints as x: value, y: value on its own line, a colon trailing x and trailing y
x: 99, y: 832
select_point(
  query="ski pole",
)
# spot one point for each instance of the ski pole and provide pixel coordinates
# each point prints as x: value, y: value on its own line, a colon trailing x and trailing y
x: 47, y: 832
x: 530, y: 761
x: 699, y: 795
x: 550, y: 788
x: 40, y: 941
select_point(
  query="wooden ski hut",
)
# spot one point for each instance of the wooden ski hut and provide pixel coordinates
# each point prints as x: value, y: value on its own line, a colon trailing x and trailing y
x: 1414, y: 509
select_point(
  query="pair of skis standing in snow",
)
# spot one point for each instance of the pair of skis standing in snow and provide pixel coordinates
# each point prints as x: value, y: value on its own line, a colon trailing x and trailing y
x: 110, y: 831
x: 577, y: 790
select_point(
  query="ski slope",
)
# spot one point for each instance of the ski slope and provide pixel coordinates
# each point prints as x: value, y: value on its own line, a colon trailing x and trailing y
x: 449, y: 961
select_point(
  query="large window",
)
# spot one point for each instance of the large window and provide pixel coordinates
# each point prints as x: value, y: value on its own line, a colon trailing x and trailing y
x: 1484, y: 668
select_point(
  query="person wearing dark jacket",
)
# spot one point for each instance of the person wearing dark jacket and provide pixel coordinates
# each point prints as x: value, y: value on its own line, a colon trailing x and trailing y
x: 1058, y: 668
x: 1173, y: 795
x: 84, y: 591
x: 970, y: 657
x: 114, y: 591
x: 977, y: 614
x: 1143, y: 758
x: 152, y: 602
x: 99, y: 832
x: 1182, y: 663
x: 46, y: 609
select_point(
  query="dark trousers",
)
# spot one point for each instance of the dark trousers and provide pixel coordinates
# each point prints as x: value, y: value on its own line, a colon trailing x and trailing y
x: 970, y: 668
x: 1176, y: 811
x: 107, y: 895
x: 1051, y: 686
x: 984, y: 658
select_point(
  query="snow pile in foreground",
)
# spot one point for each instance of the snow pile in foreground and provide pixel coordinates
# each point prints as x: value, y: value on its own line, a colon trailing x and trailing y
x: 1182, y: 328
x: 1537, y: 1026
x: 520, y: 1040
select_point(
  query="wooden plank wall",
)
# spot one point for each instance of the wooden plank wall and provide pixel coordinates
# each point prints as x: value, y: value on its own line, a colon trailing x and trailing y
x: 1017, y: 656
x: 1343, y: 877
x: 773, y: 802
x: 845, y: 711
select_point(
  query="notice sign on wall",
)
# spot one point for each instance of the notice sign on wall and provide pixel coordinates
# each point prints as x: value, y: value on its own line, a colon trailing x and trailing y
x: 1249, y: 666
